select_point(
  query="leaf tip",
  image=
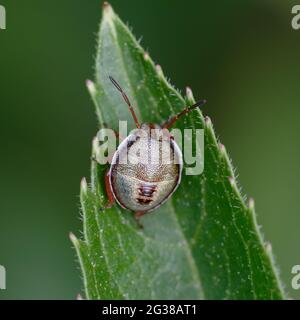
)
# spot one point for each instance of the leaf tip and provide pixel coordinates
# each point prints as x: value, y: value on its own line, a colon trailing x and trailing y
x: 91, y: 87
x: 146, y: 56
x: 107, y: 9
x: 83, y: 185
x: 251, y: 204
x: 159, y: 71
x: 231, y: 181
x: 106, y: 5
x: 268, y: 247
x: 73, y: 238
x: 222, y: 147
x: 208, y: 121
x: 79, y: 297
x: 189, y: 94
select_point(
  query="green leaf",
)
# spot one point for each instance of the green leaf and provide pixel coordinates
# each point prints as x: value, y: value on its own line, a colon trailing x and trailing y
x: 203, y: 243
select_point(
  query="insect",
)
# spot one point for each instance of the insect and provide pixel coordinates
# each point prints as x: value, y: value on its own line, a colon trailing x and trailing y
x: 138, y: 184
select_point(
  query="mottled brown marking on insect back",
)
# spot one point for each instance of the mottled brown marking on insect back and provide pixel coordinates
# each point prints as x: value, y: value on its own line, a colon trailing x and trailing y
x: 145, y: 193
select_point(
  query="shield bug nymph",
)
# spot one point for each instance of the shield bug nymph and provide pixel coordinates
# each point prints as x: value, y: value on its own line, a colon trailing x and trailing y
x: 139, y: 184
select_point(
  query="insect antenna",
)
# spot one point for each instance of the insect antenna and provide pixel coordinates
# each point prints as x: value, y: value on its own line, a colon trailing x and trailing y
x: 115, y: 83
x: 186, y: 110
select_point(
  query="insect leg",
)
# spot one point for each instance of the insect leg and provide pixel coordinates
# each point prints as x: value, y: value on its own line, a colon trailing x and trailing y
x: 109, y: 193
x: 186, y: 110
x: 137, y: 216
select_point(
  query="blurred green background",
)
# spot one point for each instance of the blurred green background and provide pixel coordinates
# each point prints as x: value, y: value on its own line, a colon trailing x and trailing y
x: 243, y: 56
